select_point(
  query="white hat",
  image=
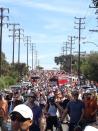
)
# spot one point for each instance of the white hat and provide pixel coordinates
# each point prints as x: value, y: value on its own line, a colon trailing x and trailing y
x: 24, y: 110
x: 90, y: 128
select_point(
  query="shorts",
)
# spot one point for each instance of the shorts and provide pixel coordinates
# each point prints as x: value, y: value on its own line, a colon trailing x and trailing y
x: 51, y: 121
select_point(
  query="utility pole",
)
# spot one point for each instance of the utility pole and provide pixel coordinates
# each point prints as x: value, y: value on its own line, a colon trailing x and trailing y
x: 71, y: 42
x: 36, y: 57
x: 32, y: 48
x: 38, y: 62
x: 28, y: 41
x: 13, y: 36
x: 19, y: 37
x: 95, y: 4
x: 2, y: 16
x: 65, y: 47
x: 63, y: 50
x: 80, y: 23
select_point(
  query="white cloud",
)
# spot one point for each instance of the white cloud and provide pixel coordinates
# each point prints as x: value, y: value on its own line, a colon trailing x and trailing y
x: 72, y: 10
x: 54, y: 8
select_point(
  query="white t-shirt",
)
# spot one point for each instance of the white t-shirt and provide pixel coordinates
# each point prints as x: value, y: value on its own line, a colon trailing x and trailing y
x: 90, y: 128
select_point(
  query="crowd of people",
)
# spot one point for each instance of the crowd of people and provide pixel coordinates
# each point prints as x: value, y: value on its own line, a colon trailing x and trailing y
x: 46, y: 106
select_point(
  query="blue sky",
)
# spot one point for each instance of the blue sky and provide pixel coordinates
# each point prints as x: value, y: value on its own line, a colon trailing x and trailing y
x: 49, y: 23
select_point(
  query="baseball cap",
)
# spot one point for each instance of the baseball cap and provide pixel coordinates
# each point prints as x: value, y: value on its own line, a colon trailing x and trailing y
x: 23, y: 110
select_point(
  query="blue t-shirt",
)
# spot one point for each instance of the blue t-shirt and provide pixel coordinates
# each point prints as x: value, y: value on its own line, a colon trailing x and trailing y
x: 75, y: 110
x: 36, y: 114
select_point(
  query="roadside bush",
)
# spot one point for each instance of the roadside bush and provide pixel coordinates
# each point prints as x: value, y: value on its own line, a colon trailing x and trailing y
x: 6, y: 81
x: 2, y: 84
x: 9, y: 81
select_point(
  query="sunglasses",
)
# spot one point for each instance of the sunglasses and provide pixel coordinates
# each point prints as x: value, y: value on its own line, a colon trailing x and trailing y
x: 18, y: 117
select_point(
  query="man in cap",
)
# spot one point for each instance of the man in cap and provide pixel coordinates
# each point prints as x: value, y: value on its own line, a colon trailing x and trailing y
x: 75, y: 108
x: 21, y: 118
x: 36, y: 109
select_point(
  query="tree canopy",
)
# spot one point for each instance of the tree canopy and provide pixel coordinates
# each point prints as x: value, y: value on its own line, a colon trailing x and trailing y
x: 11, y: 73
x: 88, y: 65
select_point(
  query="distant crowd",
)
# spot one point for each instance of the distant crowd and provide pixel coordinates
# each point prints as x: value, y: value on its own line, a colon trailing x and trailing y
x: 45, y: 105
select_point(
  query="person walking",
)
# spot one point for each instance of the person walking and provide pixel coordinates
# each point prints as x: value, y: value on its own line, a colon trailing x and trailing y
x: 36, y: 109
x: 21, y: 118
x: 75, y: 109
x: 90, y: 111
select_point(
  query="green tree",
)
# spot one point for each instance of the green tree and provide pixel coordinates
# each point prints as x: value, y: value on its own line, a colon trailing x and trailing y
x: 17, y: 71
x: 89, y: 67
x: 5, y: 65
x: 2, y: 84
x: 65, y: 62
x: 11, y: 73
